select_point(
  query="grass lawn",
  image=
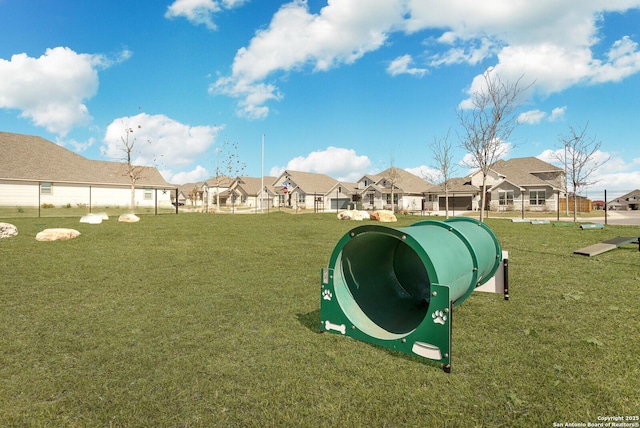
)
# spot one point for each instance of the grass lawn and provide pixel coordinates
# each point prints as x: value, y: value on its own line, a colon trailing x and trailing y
x: 213, y: 320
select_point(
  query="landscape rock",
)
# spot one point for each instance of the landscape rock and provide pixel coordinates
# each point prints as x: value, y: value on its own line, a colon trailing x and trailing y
x: 384, y: 216
x: 8, y: 230
x: 102, y: 215
x: 91, y: 219
x: 350, y: 215
x: 57, y: 234
x: 129, y: 218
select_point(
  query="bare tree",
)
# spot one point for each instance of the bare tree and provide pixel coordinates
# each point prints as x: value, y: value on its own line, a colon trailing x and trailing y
x: 228, y: 164
x: 393, y: 175
x: 134, y: 172
x: 488, y: 124
x: 442, y: 151
x: 579, y: 154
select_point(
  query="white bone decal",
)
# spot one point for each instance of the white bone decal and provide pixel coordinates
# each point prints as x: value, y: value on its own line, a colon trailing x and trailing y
x: 341, y: 328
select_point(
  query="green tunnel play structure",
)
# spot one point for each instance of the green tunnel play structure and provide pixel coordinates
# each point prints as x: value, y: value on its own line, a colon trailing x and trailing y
x: 397, y: 287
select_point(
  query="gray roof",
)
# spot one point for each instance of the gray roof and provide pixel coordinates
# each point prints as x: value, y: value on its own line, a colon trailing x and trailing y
x: 404, y: 180
x: 456, y: 185
x: 252, y: 185
x: 520, y: 171
x: 309, y: 182
x: 31, y: 158
x: 626, y: 198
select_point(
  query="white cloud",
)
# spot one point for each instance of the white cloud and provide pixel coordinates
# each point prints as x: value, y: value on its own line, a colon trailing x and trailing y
x: 401, y: 65
x: 159, y: 140
x: 198, y: 174
x: 468, y: 52
x: 339, y: 163
x: 341, y: 33
x: 623, y: 60
x: 77, y: 146
x: 557, y: 113
x: 468, y: 161
x: 200, y: 12
x: 52, y: 90
x: 618, y: 175
x: 428, y: 173
x: 549, y: 42
x: 531, y: 117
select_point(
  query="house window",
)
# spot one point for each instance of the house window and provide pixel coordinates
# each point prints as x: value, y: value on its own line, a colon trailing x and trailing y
x: 537, y: 197
x: 302, y: 198
x: 505, y: 197
x: 395, y: 198
x: 282, y: 199
x: 243, y: 199
x: 46, y: 188
x: 147, y: 194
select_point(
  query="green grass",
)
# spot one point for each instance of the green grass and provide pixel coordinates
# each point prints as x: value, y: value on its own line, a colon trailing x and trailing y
x: 213, y: 320
x: 75, y: 211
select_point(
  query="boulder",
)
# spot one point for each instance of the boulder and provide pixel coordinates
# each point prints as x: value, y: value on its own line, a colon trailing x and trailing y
x: 365, y: 215
x: 57, y: 234
x: 350, y: 215
x: 384, y: 216
x: 128, y: 218
x: 91, y: 219
x: 344, y: 215
x: 102, y: 215
x: 7, y: 230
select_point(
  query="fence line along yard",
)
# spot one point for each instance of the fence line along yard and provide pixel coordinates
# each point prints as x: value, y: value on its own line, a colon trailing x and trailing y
x: 55, y: 199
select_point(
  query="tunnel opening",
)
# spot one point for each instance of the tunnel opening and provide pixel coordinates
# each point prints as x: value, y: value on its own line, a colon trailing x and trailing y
x: 383, y: 283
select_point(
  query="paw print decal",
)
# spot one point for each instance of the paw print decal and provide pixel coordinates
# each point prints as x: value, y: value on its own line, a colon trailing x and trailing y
x: 326, y: 295
x: 439, y: 317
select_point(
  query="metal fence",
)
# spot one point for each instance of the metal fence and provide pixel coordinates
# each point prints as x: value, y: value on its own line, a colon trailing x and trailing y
x: 47, y: 199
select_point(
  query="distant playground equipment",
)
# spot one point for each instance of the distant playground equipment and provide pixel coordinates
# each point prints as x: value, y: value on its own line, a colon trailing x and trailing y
x: 397, y: 287
x: 588, y: 226
x: 604, y: 246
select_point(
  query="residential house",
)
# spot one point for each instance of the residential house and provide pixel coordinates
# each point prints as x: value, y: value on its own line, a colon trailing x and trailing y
x: 190, y: 194
x: 521, y: 184
x: 342, y: 195
x: 392, y: 187
x: 307, y: 190
x: 253, y: 192
x: 626, y: 202
x: 216, y: 191
x: 35, y: 171
x: 204, y: 194
x: 460, y: 192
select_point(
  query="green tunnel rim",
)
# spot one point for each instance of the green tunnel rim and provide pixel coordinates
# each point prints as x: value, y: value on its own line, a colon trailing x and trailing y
x: 343, y: 294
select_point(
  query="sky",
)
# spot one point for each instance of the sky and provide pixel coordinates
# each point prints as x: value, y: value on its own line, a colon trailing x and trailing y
x: 339, y: 87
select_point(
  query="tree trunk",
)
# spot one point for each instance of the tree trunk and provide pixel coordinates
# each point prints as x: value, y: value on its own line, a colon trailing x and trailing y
x: 133, y: 198
x: 575, y: 205
x: 446, y: 203
x: 483, y: 198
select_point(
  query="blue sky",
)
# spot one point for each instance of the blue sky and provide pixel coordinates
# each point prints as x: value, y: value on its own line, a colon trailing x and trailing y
x: 340, y: 87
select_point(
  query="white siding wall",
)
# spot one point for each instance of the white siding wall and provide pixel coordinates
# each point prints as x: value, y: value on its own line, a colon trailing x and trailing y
x: 26, y: 194
x: 18, y: 194
x: 411, y: 203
